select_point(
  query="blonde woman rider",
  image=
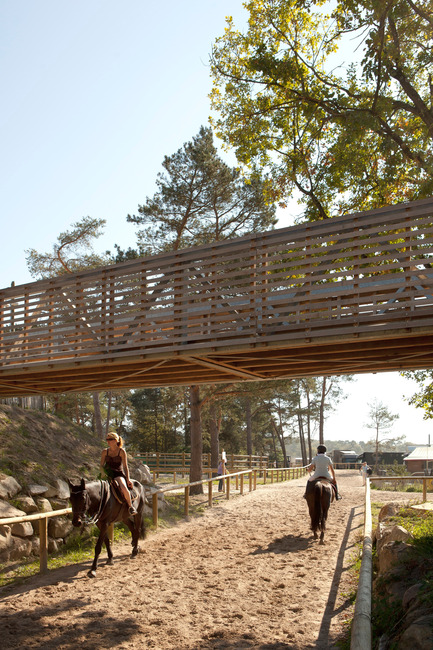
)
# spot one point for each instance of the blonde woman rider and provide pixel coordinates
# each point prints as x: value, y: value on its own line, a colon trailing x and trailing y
x: 114, y: 462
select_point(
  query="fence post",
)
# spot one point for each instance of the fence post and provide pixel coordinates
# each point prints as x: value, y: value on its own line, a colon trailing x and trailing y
x: 255, y: 479
x: 242, y: 484
x: 186, y: 509
x: 155, y: 508
x: 265, y: 473
x: 424, y: 490
x: 251, y: 479
x: 43, y: 545
x: 209, y: 493
x: 227, y: 488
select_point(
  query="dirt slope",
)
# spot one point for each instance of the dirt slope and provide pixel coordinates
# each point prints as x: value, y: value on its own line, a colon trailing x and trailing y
x: 36, y: 447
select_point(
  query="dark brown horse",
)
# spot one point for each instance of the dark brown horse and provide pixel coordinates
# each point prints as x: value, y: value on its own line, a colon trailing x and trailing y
x: 320, y: 495
x: 96, y: 503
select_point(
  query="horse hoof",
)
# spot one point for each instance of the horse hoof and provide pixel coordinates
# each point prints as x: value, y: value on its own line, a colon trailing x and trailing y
x: 92, y: 574
x: 322, y: 543
x: 110, y: 561
x: 134, y: 553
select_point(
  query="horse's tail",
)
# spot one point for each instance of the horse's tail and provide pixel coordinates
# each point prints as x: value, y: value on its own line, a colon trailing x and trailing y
x: 143, y: 529
x: 326, y: 498
x: 316, y: 516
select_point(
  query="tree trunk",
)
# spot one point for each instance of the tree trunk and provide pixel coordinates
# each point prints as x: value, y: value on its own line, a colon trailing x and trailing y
x: 186, y: 424
x: 107, y: 424
x: 98, y: 419
x: 249, y: 425
x: 195, y: 470
x: 214, y: 436
x: 322, y: 412
x: 302, y: 440
x: 307, y: 393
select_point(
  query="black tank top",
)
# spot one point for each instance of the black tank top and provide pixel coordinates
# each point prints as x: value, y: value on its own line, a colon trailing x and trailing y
x: 115, y: 464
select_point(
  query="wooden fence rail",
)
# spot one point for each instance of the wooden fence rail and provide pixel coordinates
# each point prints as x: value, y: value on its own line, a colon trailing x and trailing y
x: 425, y: 480
x: 275, y: 474
x: 43, y: 530
x: 161, y: 462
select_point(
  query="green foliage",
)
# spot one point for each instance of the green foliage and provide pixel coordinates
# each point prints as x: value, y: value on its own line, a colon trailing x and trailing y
x: 158, y: 418
x: 199, y: 200
x: 423, y: 398
x: 71, y: 253
x: 336, y: 106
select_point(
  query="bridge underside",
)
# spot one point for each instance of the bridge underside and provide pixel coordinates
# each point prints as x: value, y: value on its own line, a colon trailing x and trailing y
x: 397, y: 352
x: 353, y: 294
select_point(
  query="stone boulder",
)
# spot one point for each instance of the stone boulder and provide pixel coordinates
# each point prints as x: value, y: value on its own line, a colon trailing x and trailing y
x: 411, y: 595
x: 59, y: 527
x: 391, y: 554
x: 20, y: 547
x: 6, y: 510
x: 50, y: 492
x: 44, y: 505
x: 5, y: 538
x: 62, y: 488
x: 22, y: 529
x: 37, y: 490
x: 388, y: 510
x: 26, y: 503
x: 11, y: 486
x: 394, y: 534
x: 419, y: 635
x: 144, y: 474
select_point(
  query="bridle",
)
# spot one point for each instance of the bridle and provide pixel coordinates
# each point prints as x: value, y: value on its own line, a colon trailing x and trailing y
x: 82, y: 514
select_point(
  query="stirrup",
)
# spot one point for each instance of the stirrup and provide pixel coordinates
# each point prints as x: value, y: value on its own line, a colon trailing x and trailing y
x: 132, y: 511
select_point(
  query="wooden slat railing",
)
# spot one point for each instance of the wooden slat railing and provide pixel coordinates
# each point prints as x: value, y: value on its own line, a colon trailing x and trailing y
x: 359, y: 275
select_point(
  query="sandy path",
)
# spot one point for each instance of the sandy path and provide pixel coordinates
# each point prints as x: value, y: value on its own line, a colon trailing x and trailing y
x: 246, y: 574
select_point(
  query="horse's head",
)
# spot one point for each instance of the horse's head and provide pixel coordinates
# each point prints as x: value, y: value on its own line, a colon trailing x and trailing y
x: 79, y: 502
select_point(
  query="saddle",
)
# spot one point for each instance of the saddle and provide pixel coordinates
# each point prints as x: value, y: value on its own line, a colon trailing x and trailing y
x: 117, y: 493
x: 311, y: 484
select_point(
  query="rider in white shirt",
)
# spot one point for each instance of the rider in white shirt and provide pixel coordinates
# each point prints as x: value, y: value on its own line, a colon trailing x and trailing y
x: 322, y: 467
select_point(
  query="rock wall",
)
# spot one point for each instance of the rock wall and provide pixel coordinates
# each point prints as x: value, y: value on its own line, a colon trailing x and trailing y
x: 400, y: 591
x: 21, y: 540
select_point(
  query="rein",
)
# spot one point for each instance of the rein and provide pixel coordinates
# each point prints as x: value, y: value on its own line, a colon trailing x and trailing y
x: 102, y: 503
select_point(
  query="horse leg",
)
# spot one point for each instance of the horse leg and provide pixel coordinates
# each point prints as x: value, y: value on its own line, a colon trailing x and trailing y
x: 98, y: 547
x: 135, y: 527
x: 109, y: 551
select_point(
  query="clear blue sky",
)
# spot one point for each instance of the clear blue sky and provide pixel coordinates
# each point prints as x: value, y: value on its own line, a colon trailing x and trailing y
x: 94, y: 94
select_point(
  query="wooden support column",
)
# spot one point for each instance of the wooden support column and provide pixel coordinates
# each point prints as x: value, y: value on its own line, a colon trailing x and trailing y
x: 209, y: 493
x: 155, y: 509
x: 43, y: 544
x: 186, y: 509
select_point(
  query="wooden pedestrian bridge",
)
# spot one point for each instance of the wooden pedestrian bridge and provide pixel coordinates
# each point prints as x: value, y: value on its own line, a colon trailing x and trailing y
x: 352, y: 294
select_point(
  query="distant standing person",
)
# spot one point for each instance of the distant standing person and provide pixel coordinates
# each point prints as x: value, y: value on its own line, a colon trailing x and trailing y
x: 322, y: 467
x: 221, y: 471
x: 364, y: 471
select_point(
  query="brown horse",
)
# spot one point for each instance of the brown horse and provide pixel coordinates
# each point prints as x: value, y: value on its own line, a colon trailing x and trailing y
x: 95, y: 502
x: 320, y: 495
